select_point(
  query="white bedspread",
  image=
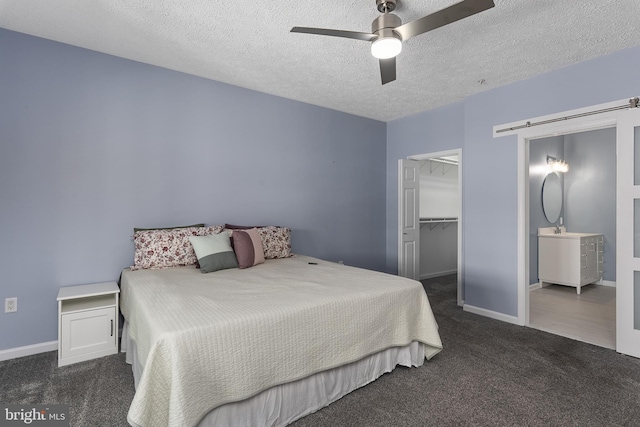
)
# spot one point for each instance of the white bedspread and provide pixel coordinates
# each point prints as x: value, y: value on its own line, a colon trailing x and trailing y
x: 208, y: 339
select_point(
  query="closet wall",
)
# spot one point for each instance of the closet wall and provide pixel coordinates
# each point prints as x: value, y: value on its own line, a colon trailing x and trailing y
x: 438, y: 215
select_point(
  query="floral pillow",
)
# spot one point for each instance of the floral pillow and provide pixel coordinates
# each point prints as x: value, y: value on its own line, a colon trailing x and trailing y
x: 166, y: 228
x: 276, y: 242
x: 167, y: 247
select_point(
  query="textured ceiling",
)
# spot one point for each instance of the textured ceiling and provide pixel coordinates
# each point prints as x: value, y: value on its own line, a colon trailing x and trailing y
x: 247, y: 43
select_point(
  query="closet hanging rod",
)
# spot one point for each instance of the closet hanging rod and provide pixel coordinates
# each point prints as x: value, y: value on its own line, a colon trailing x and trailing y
x: 432, y: 220
x: 633, y: 103
x: 445, y: 161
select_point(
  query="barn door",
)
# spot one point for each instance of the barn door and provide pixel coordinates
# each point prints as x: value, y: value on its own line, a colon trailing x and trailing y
x: 628, y: 233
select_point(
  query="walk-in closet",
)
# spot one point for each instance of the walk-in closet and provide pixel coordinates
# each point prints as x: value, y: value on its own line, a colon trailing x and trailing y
x: 439, y: 207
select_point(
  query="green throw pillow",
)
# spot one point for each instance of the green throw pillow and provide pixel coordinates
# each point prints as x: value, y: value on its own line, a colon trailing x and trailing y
x: 214, y: 252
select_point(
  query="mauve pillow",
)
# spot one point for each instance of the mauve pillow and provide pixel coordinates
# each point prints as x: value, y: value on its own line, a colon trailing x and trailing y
x: 247, y: 245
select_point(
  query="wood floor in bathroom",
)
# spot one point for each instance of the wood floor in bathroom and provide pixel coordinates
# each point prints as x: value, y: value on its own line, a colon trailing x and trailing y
x: 588, y: 317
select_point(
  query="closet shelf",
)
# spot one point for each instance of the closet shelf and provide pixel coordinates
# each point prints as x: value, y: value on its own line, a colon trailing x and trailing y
x: 435, y: 221
x: 432, y: 220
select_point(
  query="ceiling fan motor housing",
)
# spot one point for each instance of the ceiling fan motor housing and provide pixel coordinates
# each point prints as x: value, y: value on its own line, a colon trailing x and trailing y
x: 384, y: 24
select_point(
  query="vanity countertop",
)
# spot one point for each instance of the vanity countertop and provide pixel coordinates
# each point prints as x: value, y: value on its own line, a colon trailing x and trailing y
x: 567, y: 235
x: 550, y: 232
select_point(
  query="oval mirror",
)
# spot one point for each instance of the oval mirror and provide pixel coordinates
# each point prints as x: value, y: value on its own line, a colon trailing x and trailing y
x: 552, y: 197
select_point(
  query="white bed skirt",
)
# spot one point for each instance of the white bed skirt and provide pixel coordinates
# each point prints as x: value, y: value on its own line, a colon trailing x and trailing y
x: 283, y: 404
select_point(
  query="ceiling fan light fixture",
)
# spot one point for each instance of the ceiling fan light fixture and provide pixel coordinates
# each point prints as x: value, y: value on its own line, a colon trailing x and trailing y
x: 386, y: 47
x: 388, y: 43
x: 388, y: 32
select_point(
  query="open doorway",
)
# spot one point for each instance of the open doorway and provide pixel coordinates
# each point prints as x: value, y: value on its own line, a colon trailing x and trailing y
x: 430, y: 226
x: 585, y: 208
x: 624, y: 116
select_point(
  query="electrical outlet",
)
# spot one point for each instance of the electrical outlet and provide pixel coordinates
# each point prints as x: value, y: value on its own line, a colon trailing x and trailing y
x: 10, y: 305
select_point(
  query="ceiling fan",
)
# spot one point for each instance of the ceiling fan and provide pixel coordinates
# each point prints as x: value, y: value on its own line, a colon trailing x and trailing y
x: 388, y: 32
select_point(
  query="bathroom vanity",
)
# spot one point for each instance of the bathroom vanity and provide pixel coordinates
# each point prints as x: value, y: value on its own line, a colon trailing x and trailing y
x: 569, y: 259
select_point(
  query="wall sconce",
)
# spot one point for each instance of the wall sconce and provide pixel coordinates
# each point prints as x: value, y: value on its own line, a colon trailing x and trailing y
x: 555, y: 165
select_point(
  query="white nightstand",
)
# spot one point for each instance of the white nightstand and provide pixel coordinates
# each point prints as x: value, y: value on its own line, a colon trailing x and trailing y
x: 87, y: 322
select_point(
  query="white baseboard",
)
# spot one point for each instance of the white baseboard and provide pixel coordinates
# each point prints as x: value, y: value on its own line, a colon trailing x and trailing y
x: 28, y: 350
x: 534, y: 286
x: 609, y: 283
x: 492, y: 314
x: 438, y: 274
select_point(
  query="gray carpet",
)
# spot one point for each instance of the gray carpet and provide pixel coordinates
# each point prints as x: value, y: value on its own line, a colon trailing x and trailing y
x: 98, y: 391
x: 489, y: 374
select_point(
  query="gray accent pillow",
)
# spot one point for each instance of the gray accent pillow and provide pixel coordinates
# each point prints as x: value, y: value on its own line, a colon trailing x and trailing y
x: 214, y: 252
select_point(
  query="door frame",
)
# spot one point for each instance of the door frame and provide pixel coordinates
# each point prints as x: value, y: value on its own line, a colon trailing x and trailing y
x: 459, y: 224
x: 578, y: 123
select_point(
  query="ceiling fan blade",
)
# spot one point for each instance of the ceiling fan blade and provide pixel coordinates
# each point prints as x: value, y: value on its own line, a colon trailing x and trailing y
x: 388, y: 70
x: 443, y: 17
x: 335, y: 33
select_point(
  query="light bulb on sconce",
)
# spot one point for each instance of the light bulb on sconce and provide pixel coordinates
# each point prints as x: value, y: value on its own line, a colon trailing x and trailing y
x: 560, y: 166
x: 555, y: 165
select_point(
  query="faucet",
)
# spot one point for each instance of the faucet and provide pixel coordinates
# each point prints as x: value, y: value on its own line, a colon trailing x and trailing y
x: 557, y: 230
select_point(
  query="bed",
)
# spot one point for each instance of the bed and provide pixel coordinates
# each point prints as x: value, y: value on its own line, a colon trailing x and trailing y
x: 268, y: 344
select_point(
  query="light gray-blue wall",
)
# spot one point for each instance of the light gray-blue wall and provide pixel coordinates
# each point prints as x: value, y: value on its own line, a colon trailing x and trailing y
x: 92, y: 145
x: 590, y: 189
x: 539, y: 150
x: 490, y: 164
